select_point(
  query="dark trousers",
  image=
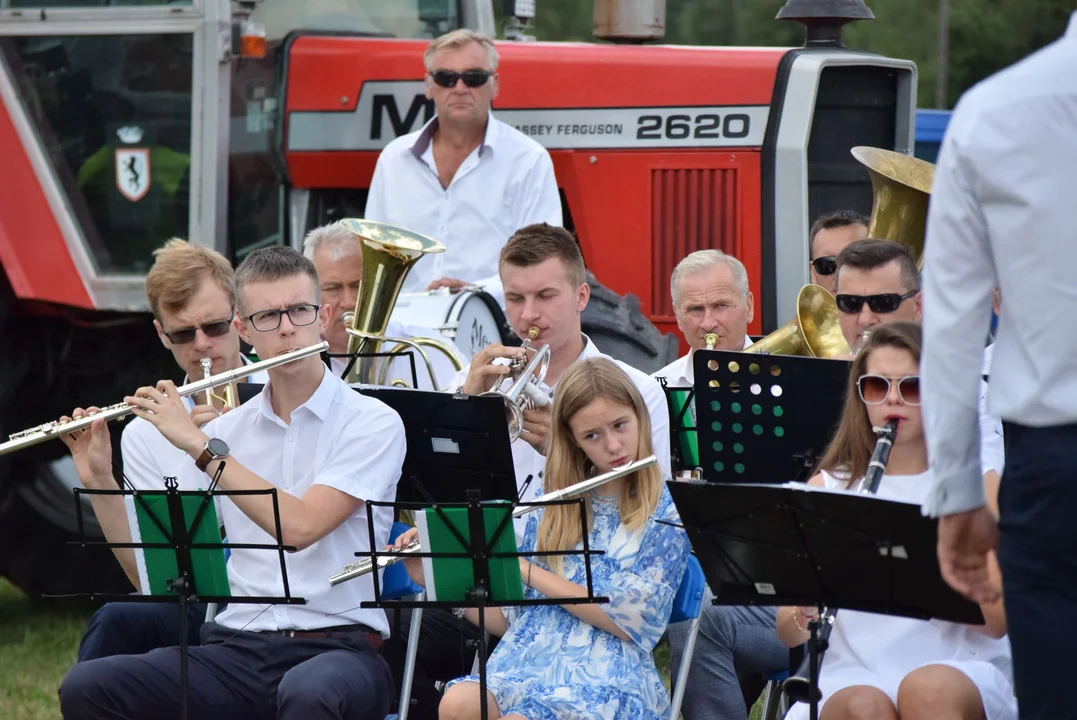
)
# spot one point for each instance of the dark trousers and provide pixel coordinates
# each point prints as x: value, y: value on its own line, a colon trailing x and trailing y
x: 1038, y: 558
x: 446, y: 651
x: 236, y: 675
x: 133, y: 628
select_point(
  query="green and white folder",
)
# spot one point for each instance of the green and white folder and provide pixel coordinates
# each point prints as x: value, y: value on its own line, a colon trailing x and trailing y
x: 157, y: 566
x: 450, y: 579
x: 686, y: 433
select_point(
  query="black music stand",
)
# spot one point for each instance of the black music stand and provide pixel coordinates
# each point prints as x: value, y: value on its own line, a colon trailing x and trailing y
x: 456, y: 443
x: 793, y: 544
x: 178, y: 532
x: 480, y: 553
x: 755, y: 412
x: 353, y: 357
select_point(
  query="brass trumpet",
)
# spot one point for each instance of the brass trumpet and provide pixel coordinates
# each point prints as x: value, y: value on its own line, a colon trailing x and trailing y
x: 229, y: 397
x: 524, y: 393
x: 55, y: 429
x: 364, y: 566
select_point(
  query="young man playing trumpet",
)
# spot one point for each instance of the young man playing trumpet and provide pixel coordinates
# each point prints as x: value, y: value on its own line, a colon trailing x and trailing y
x: 189, y: 289
x: 326, y: 451
x: 542, y: 271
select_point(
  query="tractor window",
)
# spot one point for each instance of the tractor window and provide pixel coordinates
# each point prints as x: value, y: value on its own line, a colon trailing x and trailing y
x: 395, y: 18
x: 114, y: 116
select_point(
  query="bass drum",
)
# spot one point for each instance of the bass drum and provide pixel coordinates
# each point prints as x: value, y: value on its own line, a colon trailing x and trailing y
x: 470, y: 318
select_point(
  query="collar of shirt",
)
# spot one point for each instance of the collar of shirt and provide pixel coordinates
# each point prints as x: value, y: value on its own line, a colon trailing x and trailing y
x: 423, y: 149
x: 318, y: 403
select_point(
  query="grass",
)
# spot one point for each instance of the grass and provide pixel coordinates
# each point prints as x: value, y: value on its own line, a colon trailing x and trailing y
x: 38, y: 643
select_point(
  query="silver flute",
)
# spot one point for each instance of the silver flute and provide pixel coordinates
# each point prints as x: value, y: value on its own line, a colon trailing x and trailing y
x: 364, y: 566
x: 55, y: 429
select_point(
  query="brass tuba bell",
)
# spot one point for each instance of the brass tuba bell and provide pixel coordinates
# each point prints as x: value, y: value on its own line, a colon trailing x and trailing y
x: 389, y: 253
x: 901, y: 186
x: 814, y: 332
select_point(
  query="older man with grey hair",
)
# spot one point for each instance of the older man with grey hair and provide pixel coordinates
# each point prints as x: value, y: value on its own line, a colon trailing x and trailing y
x: 337, y: 256
x: 710, y: 296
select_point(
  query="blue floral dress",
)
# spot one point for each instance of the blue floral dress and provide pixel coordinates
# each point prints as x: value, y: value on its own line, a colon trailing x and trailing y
x: 552, y: 665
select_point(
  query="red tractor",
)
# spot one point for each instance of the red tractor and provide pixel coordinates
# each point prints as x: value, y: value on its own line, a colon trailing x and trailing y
x: 123, y: 126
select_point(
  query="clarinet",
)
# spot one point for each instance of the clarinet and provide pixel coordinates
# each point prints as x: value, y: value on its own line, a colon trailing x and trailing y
x: 798, y: 687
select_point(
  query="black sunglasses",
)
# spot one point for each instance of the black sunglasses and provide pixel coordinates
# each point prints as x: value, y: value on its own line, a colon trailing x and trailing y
x: 471, y: 78
x: 874, y: 389
x: 213, y: 329
x: 825, y: 265
x: 882, y: 304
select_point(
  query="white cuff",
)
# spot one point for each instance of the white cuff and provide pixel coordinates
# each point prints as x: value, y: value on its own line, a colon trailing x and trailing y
x: 955, y: 494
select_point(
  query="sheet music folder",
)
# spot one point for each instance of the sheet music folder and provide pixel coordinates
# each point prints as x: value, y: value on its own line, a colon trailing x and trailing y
x: 765, y: 418
x: 793, y: 544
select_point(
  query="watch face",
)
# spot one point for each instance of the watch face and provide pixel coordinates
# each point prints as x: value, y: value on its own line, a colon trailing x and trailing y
x: 217, y: 447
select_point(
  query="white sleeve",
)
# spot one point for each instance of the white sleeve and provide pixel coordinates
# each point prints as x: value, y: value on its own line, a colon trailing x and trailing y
x: 658, y: 409
x: 366, y: 461
x: 539, y: 200
x: 376, y: 209
x: 959, y: 277
x: 992, y: 449
x: 139, y: 464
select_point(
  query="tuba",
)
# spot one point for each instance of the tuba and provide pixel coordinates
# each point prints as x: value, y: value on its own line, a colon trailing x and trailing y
x: 389, y: 253
x: 901, y: 186
x: 814, y: 332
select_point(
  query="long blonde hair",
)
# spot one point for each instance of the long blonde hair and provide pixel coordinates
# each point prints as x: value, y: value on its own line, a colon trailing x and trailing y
x: 852, y: 445
x: 566, y: 463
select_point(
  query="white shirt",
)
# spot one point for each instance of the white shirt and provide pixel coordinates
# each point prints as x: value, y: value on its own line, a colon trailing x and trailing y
x: 503, y: 185
x: 337, y: 438
x: 526, y: 461
x: 681, y: 372
x: 401, y: 365
x: 148, y: 456
x: 992, y: 448
x: 1002, y: 214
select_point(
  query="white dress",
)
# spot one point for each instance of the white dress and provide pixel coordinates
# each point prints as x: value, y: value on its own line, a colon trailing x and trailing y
x: 880, y: 650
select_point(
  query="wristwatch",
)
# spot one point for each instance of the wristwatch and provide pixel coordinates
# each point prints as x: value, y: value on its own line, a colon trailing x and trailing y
x: 215, y: 449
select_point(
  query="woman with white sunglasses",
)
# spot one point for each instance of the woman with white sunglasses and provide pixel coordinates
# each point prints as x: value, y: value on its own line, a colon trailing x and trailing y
x: 887, y: 667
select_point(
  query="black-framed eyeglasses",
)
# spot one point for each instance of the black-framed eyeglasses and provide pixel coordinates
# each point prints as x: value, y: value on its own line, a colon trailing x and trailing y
x: 874, y: 389
x: 826, y: 265
x: 216, y: 328
x: 471, y: 78
x: 882, y: 304
x: 298, y: 315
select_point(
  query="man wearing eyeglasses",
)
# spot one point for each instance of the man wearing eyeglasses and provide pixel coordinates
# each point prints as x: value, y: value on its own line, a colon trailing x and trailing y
x: 327, y: 452
x: 829, y: 235
x: 876, y: 282
x: 189, y: 289
x: 465, y: 179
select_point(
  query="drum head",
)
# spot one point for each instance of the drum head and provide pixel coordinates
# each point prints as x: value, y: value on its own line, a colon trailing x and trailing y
x: 479, y: 321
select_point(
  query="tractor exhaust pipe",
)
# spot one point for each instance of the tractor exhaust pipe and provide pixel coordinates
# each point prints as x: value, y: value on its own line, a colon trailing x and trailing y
x: 630, y: 21
x: 824, y: 20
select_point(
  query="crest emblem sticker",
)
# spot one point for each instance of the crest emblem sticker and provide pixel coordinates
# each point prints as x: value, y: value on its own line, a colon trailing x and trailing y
x: 133, y: 172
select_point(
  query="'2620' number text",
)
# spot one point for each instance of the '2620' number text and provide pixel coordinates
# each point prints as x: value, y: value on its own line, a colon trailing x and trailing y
x: 703, y: 127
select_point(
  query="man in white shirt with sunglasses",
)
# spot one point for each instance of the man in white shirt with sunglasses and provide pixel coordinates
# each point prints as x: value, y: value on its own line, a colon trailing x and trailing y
x: 465, y: 179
